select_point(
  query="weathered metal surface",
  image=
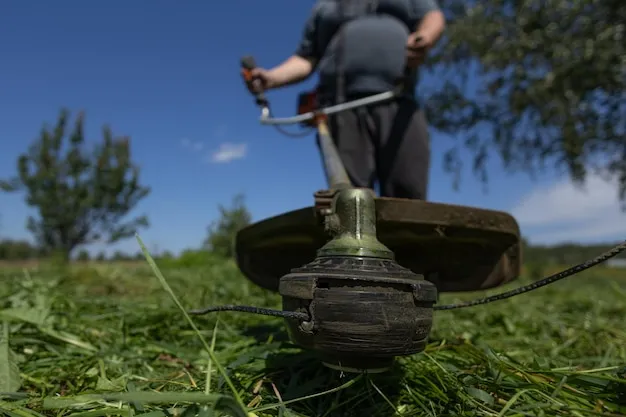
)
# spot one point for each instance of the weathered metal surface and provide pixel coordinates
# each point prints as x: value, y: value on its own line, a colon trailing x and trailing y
x: 364, y: 311
x: 351, y: 221
x: 457, y: 248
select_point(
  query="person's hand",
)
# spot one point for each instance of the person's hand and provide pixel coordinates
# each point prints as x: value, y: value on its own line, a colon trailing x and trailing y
x: 262, y: 80
x: 417, y: 46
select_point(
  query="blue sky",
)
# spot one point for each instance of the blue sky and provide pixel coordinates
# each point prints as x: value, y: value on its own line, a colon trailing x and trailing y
x: 167, y: 74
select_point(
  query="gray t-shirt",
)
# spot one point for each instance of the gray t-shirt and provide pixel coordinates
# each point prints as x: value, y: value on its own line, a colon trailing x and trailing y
x: 373, y: 36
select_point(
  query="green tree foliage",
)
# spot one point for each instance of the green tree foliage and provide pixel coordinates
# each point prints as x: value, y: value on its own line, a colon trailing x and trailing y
x: 18, y: 250
x: 165, y: 255
x: 81, y: 197
x: 118, y: 255
x: 83, y: 256
x: 222, y: 233
x: 535, y: 81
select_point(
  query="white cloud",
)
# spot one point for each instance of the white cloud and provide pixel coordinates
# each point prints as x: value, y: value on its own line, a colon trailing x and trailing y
x: 228, y: 152
x: 566, y: 212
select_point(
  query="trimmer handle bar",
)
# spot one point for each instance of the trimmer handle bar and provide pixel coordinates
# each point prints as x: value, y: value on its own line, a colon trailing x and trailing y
x: 248, y: 63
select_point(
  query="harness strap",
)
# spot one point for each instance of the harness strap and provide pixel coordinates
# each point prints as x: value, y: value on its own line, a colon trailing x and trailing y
x: 340, y: 57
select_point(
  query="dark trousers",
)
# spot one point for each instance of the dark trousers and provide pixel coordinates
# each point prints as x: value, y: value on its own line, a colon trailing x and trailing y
x: 388, y: 142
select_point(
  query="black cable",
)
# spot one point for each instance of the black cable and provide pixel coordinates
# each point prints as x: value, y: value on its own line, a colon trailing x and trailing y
x: 254, y: 310
x: 541, y: 283
x: 294, y: 135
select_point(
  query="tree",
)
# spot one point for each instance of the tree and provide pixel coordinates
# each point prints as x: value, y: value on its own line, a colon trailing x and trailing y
x: 222, y: 233
x: 83, y: 256
x: 165, y: 255
x: 535, y: 81
x: 81, y: 197
x: 118, y: 255
x: 14, y: 250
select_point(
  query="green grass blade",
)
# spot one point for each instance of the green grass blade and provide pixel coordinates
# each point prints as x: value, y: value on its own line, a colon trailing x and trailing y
x: 10, y: 380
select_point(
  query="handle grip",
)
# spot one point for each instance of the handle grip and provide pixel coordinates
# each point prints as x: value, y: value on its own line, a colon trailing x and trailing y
x: 247, y: 65
x: 248, y: 62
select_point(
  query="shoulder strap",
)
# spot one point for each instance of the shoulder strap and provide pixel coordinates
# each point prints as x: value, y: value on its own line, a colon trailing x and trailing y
x: 339, y: 57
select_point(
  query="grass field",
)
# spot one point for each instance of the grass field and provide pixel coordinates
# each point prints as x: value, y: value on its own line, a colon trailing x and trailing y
x: 100, y: 340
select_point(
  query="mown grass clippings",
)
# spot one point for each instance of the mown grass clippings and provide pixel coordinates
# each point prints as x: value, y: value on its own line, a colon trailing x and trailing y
x: 115, y: 341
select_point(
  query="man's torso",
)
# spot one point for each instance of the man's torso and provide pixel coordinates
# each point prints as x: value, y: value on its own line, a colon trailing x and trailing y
x: 372, y: 44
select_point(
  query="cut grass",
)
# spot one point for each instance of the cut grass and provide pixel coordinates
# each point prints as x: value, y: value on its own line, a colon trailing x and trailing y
x: 112, y: 340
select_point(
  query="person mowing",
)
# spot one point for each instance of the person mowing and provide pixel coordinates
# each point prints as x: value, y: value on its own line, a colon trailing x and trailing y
x: 360, y: 48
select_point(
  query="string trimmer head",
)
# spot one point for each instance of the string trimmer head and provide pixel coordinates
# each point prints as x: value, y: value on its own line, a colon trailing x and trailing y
x: 364, y: 308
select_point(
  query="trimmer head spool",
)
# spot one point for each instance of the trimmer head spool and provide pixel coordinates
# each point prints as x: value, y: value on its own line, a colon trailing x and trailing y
x: 364, y: 308
x: 364, y: 311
